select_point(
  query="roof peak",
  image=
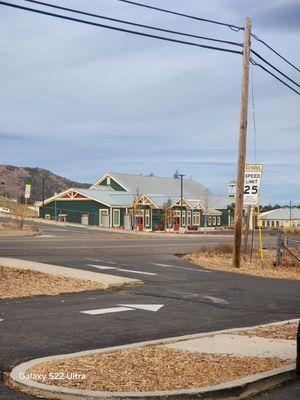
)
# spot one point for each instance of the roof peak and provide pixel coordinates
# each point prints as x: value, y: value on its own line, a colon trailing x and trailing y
x: 147, y: 176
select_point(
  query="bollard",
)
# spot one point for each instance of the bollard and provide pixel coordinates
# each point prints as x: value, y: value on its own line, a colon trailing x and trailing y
x: 298, y: 352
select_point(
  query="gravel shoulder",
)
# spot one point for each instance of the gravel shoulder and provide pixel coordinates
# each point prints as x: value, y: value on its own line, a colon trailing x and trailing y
x: 16, y: 282
x: 286, y: 331
x: 150, y: 368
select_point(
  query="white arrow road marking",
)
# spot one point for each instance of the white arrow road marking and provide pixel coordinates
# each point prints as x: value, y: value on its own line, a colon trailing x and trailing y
x: 124, y: 307
x: 106, y: 310
x: 216, y: 300
x: 121, y: 269
x: 147, y: 307
x: 177, y: 267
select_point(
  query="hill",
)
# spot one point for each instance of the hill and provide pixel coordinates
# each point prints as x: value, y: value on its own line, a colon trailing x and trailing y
x: 17, y: 177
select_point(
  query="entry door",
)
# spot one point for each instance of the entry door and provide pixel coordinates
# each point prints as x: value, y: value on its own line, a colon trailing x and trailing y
x: 104, y: 217
x: 85, y: 219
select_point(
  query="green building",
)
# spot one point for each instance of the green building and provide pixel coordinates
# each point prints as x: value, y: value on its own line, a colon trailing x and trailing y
x: 139, y: 202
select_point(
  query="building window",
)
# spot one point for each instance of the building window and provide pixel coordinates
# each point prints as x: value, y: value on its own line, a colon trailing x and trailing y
x: 218, y: 220
x: 189, y: 217
x: 209, y: 220
x: 116, y: 217
x: 277, y: 224
x: 183, y: 218
x: 214, y: 220
x: 108, y: 180
x: 147, y: 217
x: 197, y: 218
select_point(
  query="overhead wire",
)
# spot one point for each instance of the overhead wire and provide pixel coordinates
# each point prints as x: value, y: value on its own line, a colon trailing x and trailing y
x: 168, y: 39
x: 276, y: 69
x: 253, y: 114
x: 51, y: 5
x: 253, y: 62
x: 275, y: 52
x: 231, y: 26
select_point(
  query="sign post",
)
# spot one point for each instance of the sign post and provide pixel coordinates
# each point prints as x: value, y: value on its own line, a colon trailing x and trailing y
x: 26, y: 196
x: 252, y: 180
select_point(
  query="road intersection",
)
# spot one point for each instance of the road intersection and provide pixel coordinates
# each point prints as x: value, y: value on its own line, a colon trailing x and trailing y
x: 189, y: 299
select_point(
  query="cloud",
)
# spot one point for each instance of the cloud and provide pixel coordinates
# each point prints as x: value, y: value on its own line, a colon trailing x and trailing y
x: 101, y: 100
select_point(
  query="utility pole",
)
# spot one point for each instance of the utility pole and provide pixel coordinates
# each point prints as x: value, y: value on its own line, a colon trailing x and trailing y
x: 181, y: 197
x: 238, y: 217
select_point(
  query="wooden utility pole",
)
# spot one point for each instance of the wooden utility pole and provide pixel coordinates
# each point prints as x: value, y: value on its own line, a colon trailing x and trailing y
x: 238, y: 217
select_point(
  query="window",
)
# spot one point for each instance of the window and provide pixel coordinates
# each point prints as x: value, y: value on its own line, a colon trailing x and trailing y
x: 209, y: 220
x: 218, y: 220
x: 214, y: 220
x: 277, y: 224
x: 116, y: 217
x: 183, y: 218
x: 147, y: 217
x: 197, y: 218
x: 108, y: 180
x: 189, y: 217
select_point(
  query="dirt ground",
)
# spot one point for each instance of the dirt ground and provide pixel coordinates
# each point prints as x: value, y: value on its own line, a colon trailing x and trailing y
x: 21, y: 283
x: 150, y: 369
x: 220, y: 258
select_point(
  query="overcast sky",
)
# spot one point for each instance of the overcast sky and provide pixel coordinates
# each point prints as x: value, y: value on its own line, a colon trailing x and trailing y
x: 81, y: 100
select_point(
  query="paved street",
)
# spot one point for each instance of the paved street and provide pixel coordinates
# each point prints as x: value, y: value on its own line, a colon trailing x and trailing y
x: 193, y: 299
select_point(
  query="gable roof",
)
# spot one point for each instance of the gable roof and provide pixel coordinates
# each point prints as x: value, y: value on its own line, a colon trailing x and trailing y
x: 282, y: 213
x: 160, y: 186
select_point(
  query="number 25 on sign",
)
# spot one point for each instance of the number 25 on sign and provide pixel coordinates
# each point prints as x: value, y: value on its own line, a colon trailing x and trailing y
x: 252, y: 180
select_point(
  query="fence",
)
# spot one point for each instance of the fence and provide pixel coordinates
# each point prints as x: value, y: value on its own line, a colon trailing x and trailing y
x: 288, y: 248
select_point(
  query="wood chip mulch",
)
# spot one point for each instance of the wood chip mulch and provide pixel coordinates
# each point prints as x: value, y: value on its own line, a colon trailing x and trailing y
x: 151, y: 369
x: 21, y: 283
x: 287, y: 331
x: 264, y: 268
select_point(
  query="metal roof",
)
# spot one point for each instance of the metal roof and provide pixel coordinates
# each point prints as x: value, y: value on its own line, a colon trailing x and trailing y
x: 282, y: 213
x: 109, y: 196
x: 160, y: 186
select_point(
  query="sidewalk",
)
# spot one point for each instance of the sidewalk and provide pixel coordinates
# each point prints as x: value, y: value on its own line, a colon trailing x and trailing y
x: 230, y: 364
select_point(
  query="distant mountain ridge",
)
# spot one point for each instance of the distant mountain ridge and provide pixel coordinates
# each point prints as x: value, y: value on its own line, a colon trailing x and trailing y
x: 17, y: 177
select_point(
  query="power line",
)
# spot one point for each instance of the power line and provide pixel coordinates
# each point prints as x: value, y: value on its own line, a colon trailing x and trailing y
x: 253, y: 115
x: 134, y: 23
x: 275, y: 76
x: 274, y: 51
x: 167, y: 39
x: 231, y: 26
x: 276, y: 69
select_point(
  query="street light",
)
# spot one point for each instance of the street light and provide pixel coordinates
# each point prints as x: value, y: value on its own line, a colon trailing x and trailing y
x: 181, y: 197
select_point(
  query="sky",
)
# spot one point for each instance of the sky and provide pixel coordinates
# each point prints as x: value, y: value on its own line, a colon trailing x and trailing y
x: 81, y: 100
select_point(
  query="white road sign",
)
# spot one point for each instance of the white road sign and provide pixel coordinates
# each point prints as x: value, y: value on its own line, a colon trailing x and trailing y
x: 27, y: 191
x: 252, y: 181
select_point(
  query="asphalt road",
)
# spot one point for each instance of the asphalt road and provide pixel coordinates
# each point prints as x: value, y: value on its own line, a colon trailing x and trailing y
x: 194, y: 299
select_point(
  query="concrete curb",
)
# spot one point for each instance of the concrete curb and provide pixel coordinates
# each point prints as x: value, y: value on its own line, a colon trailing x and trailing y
x: 237, y: 389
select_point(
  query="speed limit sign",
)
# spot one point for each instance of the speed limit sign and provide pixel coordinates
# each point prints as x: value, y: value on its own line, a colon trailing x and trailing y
x: 252, y: 180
